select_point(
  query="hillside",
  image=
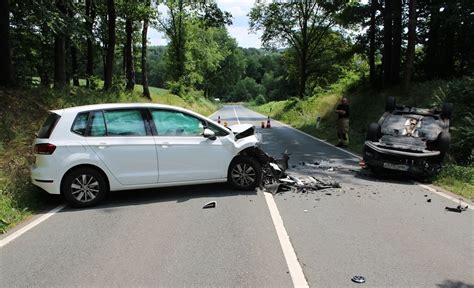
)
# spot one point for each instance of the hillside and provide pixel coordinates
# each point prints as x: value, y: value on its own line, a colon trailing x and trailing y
x: 23, y: 112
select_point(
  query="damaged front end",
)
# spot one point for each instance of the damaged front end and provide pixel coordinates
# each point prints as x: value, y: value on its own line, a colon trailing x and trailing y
x: 276, y: 179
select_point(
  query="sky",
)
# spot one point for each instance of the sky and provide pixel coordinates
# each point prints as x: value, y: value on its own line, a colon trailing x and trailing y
x: 238, y: 30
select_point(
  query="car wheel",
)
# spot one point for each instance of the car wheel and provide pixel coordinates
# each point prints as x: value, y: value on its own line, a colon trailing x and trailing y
x: 443, y: 143
x: 447, y: 110
x: 84, y: 187
x: 245, y: 173
x: 373, y: 132
x: 391, y: 104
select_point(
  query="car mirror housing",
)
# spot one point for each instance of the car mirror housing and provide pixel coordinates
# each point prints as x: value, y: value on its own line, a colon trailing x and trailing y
x: 208, y: 133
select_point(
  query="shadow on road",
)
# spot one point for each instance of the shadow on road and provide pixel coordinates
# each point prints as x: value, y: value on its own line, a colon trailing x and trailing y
x: 454, y: 284
x: 178, y: 194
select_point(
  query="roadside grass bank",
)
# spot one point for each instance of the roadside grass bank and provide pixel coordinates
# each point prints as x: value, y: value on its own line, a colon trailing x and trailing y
x: 367, y: 105
x: 22, y: 113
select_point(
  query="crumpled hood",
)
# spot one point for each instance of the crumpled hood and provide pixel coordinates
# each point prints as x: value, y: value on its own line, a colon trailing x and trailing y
x: 239, y: 128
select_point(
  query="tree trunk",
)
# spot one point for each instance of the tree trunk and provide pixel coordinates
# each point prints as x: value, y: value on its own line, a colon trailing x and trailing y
x: 129, y: 69
x: 372, y: 41
x: 146, y: 91
x: 303, y: 76
x: 60, y: 52
x: 387, y: 43
x: 6, y: 73
x: 75, y: 74
x: 396, y: 42
x: 109, y: 66
x: 410, y: 56
x: 90, y: 19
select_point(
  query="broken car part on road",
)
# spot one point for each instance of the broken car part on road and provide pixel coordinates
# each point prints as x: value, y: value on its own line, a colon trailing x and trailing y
x: 275, y: 178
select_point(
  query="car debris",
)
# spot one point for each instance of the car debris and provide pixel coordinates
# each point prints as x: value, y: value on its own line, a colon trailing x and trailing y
x: 358, y: 279
x: 460, y: 208
x: 208, y: 205
x: 275, y: 177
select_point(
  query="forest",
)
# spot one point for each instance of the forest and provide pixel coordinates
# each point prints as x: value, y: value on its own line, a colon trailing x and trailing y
x: 422, y: 51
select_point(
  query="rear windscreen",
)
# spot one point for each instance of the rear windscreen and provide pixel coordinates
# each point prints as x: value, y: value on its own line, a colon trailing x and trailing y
x: 48, y: 126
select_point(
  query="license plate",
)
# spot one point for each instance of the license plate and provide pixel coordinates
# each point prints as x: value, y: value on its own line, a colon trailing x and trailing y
x: 399, y: 167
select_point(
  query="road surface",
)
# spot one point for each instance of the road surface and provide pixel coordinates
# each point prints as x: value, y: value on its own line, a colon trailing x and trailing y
x: 384, y: 230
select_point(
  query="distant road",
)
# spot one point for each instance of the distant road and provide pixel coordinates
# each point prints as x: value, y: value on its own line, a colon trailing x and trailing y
x: 385, y: 231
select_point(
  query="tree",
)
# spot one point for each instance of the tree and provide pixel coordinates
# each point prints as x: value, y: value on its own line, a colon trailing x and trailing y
x: 146, y: 91
x: 300, y: 24
x: 6, y: 74
x: 110, y: 54
x: 372, y: 32
x: 60, y: 50
x: 129, y: 66
x: 396, y: 42
x: 387, y: 43
x: 410, y: 53
x: 90, y: 19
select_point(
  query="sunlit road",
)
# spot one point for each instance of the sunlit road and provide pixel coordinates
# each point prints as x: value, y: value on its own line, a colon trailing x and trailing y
x: 384, y: 230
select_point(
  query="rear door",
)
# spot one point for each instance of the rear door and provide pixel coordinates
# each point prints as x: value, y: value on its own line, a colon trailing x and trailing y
x: 183, y: 152
x: 122, y: 139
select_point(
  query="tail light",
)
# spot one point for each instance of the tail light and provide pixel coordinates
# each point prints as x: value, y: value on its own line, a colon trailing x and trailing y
x: 44, y: 149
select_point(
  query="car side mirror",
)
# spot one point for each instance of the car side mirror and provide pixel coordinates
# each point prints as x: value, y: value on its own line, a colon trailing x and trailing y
x: 209, y: 134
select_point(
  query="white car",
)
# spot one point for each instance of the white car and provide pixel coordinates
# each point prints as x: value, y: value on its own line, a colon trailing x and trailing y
x: 84, y: 152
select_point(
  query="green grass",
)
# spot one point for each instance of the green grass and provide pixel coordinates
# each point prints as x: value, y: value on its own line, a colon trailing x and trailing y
x: 23, y: 112
x: 367, y: 106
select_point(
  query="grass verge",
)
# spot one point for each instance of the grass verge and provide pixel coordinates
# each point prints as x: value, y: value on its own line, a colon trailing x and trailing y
x: 23, y: 112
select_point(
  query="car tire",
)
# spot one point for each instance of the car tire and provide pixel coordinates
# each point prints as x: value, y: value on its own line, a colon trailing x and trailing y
x: 373, y: 132
x: 443, y: 143
x: 391, y: 104
x: 244, y: 173
x: 84, y: 187
x: 447, y: 110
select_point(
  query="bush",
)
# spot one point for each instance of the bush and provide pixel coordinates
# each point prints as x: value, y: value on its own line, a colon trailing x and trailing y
x: 260, y: 100
x: 176, y: 87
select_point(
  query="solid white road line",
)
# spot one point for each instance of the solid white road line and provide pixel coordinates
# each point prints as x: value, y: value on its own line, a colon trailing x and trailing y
x: 294, y: 267
x: 357, y: 156
x: 31, y: 225
x: 235, y: 112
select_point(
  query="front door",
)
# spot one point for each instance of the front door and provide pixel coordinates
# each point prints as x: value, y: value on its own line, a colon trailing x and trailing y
x: 122, y: 140
x: 183, y: 152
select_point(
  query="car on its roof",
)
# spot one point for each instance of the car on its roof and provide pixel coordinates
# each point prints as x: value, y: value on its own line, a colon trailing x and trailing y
x: 84, y: 152
x: 408, y: 139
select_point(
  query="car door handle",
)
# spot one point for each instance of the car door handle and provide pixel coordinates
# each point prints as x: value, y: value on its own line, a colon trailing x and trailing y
x: 164, y: 145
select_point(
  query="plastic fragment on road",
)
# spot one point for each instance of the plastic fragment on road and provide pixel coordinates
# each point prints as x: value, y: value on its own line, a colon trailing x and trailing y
x: 208, y: 205
x: 460, y: 208
x: 358, y: 279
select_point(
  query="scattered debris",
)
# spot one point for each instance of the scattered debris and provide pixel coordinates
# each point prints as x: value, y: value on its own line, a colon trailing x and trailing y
x: 358, y: 279
x: 211, y: 204
x: 426, y: 195
x: 460, y: 208
x: 429, y: 200
x: 305, y: 211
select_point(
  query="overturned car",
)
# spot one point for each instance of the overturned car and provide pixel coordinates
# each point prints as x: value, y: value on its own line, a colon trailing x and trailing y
x: 408, y: 139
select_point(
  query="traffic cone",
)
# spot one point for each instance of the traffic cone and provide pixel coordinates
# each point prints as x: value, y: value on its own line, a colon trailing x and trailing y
x: 219, y: 119
x: 263, y: 124
x: 225, y: 123
x: 268, y: 123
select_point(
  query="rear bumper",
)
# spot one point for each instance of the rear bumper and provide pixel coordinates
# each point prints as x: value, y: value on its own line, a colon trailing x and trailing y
x: 40, y: 178
x: 419, y: 163
x: 401, y: 153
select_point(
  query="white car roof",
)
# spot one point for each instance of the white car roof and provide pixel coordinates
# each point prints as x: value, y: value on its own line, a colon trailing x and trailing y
x: 78, y: 109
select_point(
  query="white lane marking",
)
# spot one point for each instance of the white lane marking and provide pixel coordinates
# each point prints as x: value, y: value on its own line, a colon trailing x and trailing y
x: 23, y: 230
x: 357, y: 156
x: 235, y: 112
x: 294, y: 267
x: 431, y: 189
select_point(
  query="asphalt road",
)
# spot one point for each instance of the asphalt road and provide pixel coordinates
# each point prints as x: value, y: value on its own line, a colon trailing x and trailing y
x: 382, y: 229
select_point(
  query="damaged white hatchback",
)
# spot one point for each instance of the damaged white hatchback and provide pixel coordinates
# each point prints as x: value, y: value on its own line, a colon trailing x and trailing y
x: 84, y: 152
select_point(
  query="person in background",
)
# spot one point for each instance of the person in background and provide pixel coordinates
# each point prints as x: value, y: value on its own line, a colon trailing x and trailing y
x: 342, y: 111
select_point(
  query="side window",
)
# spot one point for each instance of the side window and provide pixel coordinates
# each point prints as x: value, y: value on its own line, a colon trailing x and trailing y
x: 218, y: 131
x: 80, y: 123
x: 174, y: 123
x: 125, y: 122
x: 97, y: 127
